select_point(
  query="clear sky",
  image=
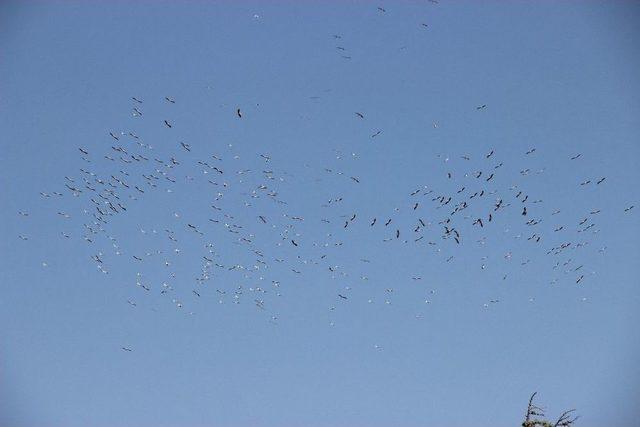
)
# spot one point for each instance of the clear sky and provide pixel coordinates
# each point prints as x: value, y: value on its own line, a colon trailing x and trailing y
x: 429, y: 332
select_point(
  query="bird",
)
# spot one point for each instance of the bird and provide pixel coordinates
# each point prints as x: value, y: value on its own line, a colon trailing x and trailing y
x: 239, y: 113
x: 376, y: 134
x: 126, y: 349
x: 171, y: 100
x: 167, y: 124
x: 481, y: 107
x: 185, y: 146
x: 359, y: 115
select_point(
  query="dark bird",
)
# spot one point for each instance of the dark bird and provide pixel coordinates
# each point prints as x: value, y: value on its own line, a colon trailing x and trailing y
x: 388, y: 222
x: 185, y: 146
x: 381, y: 9
x: 490, y: 154
x: 374, y: 221
x: 531, y: 151
x: 170, y: 100
x: 490, y: 177
x: 601, y: 180
x: 360, y: 115
x: 113, y: 136
x: 126, y: 349
x: 397, y: 234
x: 481, y: 107
x: 524, y: 211
x: 239, y: 113
x: 628, y: 209
x: 167, y: 124
x: 342, y: 296
x: 137, y: 100
x: 83, y: 151
x: 576, y: 156
x: 355, y: 179
x: 376, y: 134
x: 262, y: 219
x: 293, y: 242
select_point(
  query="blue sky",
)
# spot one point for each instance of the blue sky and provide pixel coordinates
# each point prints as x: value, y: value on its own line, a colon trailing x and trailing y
x: 557, y: 77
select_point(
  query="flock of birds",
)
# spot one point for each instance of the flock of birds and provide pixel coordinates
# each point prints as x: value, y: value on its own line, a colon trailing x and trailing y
x: 253, y: 240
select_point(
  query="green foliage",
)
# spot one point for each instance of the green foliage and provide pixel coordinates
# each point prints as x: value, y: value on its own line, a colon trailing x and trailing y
x: 535, y: 417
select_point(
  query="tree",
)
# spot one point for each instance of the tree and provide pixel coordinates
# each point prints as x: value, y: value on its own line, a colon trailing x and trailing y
x: 533, y: 412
